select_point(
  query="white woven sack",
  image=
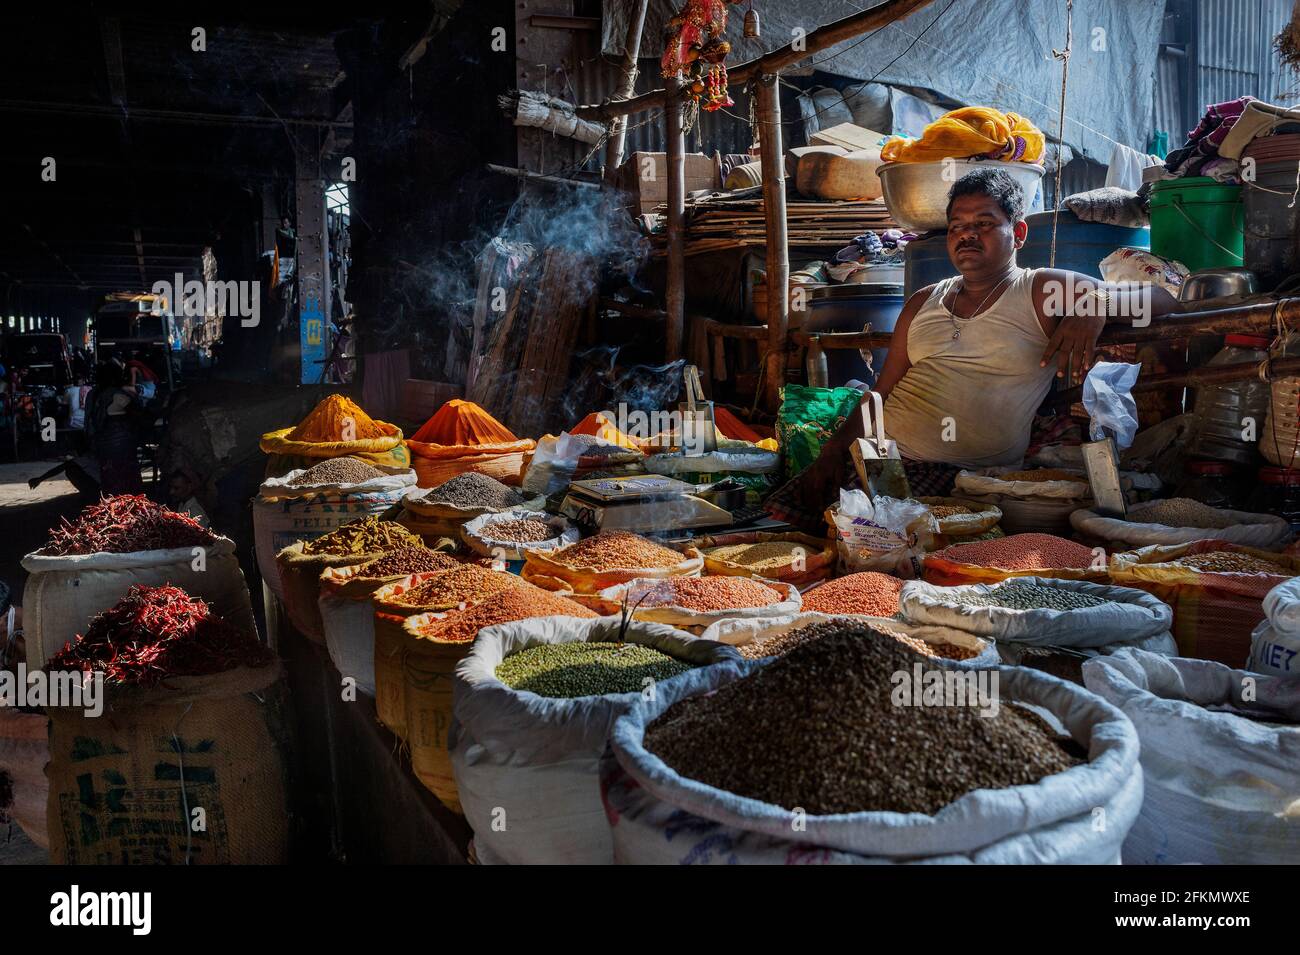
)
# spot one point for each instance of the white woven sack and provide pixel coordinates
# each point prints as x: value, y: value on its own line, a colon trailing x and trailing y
x: 63, y: 593
x: 1275, y: 642
x: 531, y: 761
x: 1128, y: 615
x: 988, y: 481
x: 1264, y: 531
x: 477, y: 534
x: 349, y: 628
x: 658, y: 816
x: 1220, y: 788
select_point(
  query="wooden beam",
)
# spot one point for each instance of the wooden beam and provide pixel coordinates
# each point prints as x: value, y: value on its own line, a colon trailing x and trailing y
x: 881, y: 15
x: 627, y: 86
x: 540, y: 177
x: 778, y: 250
x: 675, y: 299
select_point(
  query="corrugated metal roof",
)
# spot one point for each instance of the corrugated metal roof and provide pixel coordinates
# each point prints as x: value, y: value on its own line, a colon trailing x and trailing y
x: 1235, y: 50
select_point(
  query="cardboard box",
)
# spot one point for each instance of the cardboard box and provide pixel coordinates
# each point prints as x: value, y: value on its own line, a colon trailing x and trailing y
x: 645, y: 176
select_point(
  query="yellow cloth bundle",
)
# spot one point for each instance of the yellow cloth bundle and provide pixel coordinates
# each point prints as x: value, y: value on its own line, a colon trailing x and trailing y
x: 971, y: 131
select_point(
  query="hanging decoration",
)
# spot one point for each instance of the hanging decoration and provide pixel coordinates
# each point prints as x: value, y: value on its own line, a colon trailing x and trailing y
x: 694, y: 46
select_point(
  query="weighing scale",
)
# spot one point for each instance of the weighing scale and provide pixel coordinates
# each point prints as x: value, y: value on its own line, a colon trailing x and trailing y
x: 642, y: 503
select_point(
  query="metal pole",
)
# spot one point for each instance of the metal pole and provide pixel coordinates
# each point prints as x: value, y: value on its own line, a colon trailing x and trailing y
x: 618, y: 128
x: 778, y: 251
x: 675, y: 300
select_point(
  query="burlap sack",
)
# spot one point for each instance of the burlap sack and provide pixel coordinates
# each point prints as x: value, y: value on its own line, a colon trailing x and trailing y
x: 300, y: 580
x: 192, y: 772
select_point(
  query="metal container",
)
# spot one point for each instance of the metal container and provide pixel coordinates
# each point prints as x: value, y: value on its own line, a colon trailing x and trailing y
x: 846, y: 308
x: 1217, y: 283
x: 916, y: 193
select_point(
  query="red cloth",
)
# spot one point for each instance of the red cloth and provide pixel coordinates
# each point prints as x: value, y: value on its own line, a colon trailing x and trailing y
x: 145, y: 371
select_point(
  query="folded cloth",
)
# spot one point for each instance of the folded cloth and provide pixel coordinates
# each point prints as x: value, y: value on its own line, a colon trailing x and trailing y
x: 1258, y: 119
x: 967, y: 132
x: 1209, y: 134
x: 1111, y: 205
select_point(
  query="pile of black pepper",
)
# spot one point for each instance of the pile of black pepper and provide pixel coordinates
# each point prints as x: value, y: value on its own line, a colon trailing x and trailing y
x: 346, y: 470
x: 817, y: 729
x: 472, y: 489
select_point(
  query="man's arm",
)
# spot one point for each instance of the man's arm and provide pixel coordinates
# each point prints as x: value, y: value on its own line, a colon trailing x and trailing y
x: 896, y: 360
x: 1073, y: 309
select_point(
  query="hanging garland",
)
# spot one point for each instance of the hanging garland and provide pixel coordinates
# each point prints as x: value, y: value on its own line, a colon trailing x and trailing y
x: 694, y: 46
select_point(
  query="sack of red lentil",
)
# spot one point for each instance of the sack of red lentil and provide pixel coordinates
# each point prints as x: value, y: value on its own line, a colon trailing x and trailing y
x: 1220, y: 756
x: 285, y: 513
x: 1076, y: 816
x: 1275, y: 643
x: 755, y: 638
x: 526, y: 762
x: 1216, y: 590
x: 693, y: 603
x: 1019, y: 555
x: 1181, y: 521
x: 63, y: 593
x: 190, y: 772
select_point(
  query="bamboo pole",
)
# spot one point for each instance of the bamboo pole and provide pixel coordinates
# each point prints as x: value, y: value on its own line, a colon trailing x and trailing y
x: 881, y: 15
x: 778, y: 249
x: 618, y: 126
x: 675, y: 299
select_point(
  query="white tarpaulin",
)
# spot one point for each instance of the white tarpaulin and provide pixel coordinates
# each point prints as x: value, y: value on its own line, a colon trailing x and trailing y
x: 980, y: 53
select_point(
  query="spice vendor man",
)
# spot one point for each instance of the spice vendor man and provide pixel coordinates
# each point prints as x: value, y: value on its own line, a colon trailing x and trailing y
x: 974, y: 356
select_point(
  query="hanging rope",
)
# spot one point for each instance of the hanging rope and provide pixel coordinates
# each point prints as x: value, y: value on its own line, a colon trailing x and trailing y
x: 1064, y: 57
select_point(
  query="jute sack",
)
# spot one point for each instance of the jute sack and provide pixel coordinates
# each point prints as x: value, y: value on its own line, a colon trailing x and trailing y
x: 63, y: 593
x: 816, y: 565
x: 24, y: 751
x: 979, y: 519
x: 300, y: 582
x: 535, y: 758
x: 191, y: 772
x: 658, y: 816
x: 1265, y: 531
x: 284, y: 514
x: 390, y: 685
x: 744, y: 632
x: 1220, y: 787
x: 549, y: 571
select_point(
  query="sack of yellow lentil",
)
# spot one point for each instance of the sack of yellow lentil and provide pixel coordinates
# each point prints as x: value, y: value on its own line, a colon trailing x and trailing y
x: 613, y: 557
x: 300, y: 565
x: 794, y: 558
x: 432, y: 644
x: 1215, y: 610
x: 335, y: 428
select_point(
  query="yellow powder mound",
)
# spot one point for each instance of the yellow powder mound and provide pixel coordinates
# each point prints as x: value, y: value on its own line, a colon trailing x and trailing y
x: 339, y: 418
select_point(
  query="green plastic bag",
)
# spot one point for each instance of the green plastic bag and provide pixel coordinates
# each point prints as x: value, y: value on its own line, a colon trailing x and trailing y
x: 809, y: 417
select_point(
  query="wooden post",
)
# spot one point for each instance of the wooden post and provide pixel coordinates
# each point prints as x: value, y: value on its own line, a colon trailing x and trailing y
x: 675, y: 299
x: 618, y: 127
x: 778, y: 251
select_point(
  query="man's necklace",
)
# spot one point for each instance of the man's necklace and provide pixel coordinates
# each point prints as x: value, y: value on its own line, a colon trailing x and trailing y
x: 952, y: 316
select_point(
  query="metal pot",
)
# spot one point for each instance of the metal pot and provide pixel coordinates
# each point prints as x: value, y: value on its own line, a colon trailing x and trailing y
x: 916, y: 193
x: 1218, y: 283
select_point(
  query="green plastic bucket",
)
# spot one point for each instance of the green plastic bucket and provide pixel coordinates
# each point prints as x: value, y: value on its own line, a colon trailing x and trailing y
x: 1198, y: 221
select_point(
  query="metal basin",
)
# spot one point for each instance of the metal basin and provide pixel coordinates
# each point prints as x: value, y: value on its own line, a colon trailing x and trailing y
x: 1217, y: 283
x: 916, y: 193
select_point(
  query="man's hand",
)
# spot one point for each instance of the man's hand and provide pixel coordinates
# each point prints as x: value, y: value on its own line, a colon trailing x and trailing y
x: 1073, y: 344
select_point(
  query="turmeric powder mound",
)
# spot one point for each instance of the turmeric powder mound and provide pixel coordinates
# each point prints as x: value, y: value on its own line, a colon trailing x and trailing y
x: 338, y: 418
x: 463, y: 423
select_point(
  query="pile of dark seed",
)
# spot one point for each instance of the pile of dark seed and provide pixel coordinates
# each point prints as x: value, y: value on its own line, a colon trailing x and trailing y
x: 338, y: 471
x: 408, y: 560
x: 472, y: 489
x: 833, y: 741
x: 779, y: 646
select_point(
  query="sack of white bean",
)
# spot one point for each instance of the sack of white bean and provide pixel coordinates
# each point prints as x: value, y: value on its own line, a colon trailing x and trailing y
x: 1222, y: 772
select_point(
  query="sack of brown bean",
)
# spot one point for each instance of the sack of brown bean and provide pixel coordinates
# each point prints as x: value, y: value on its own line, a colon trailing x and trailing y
x: 757, y: 639
x: 1216, y: 590
x: 507, y: 535
x: 693, y: 603
x: 531, y: 715
x: 1181, y: 520
x: 1220, y: 757
x: 739, y: 763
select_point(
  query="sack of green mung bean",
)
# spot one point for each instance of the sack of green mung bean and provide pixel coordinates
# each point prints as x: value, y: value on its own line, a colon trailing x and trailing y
x: 529, y: 725
x: 1182, y: 520
x: 1220, y: 756
x: 657, y: 815
x: 1040, y: 611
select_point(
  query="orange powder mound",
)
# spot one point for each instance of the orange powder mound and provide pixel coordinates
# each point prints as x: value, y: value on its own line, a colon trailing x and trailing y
x: 327, y: 421
x: 461, y: 422
x: 732, y: 427
x: 599, y: 425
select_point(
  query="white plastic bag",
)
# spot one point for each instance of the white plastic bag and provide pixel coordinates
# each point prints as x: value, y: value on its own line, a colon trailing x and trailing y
x: 1264, y: 531
x: 552, y: 465
x: 658, y: 816
x: 880, y: 533
x: 1220, y: 788
x: 531, y: 761
x: 1275, y: 642
x: 1108, y: 399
